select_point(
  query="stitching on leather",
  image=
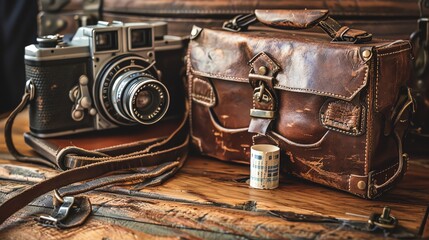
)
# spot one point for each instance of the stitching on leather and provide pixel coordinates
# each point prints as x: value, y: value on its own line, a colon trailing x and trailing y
x: 190, y: 77
x: 378, y: 70
x: 399, y: 51
x: 202, y: 97
x: 376, y: 84
x: 368, y: 133
x: 332, y: 94
x: 210, y: 100
x: 385, y: 170
x: 212, y: 75
x: 363, y: 116
x: 291, y: 88
x: 324, y: 119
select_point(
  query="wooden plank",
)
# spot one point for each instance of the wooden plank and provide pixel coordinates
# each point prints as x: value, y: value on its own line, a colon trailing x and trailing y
x: 96, y: 228
x: 189, y: 220
x: 425, y: 226
x: 217, y: 186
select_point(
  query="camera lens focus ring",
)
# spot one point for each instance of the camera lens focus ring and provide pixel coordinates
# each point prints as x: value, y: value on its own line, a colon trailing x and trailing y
x: 138, y: 97
x: 129, y: 92
x: 146, y: 101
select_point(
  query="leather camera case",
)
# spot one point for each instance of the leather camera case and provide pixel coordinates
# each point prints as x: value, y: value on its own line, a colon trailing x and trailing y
x: 336, y: 105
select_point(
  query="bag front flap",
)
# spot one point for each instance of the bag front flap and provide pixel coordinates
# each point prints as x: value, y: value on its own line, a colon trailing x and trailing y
x: 308, y: 62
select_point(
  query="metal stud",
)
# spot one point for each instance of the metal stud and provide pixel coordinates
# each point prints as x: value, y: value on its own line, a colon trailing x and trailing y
x: 366, y: 54
x: 262, y: 70
x: 361, y: 185
x: 194, y: 32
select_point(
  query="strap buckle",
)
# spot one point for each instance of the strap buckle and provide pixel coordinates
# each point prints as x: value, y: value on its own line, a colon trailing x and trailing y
x: 238, y: 23
x: 58, y: 214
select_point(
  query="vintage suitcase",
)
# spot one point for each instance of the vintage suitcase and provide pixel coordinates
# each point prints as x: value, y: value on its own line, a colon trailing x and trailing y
x: 336, y: 105
x: 388, y: 18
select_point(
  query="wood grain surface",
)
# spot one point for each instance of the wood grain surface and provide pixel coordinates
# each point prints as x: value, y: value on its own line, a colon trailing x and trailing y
x: 209, y: 199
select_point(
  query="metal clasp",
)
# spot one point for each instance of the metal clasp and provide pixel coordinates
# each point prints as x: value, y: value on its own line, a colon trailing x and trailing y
x: 58, y: 215
x: 262, y: 95
x: 259, y: 93
x: 30, y: 89
x: 82, y: 99
x: 240, y: 22
x: 383, y: 220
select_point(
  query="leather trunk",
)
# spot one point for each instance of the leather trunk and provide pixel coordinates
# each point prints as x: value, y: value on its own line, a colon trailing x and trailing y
x: 394, y: 19
x: 336, y: 103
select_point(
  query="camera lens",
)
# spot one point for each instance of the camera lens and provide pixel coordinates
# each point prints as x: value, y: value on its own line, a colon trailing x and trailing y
x: 144, y: 99
x: 139, y: 97
x: 129, y: 92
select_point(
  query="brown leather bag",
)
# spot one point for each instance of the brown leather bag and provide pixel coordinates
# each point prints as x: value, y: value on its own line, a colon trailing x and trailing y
x: 336, y: 104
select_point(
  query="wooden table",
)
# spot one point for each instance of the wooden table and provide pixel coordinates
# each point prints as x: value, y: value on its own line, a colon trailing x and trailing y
x: 209, y: 199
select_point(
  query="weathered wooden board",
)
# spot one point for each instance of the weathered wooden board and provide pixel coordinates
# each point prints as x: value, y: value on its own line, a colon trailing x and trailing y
x: 206, y: 221
x: 211, y: 199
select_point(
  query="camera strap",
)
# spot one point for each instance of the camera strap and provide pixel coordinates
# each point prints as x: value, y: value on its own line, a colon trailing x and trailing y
x: 147, y: 162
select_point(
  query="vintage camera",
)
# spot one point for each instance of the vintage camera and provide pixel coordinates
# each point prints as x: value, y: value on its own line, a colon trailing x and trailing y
x: 105, y: 77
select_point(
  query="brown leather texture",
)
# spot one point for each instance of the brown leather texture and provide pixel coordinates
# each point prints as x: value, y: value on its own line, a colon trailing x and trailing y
x: 387, y: 18
x: 335, y: 103
x: 393, y: 8
x: 291, y: 19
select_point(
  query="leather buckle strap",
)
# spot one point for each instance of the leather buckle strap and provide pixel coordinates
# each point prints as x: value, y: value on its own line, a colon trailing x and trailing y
x: 343, y: 34
x: 239, y: 23
x: 261, y: 78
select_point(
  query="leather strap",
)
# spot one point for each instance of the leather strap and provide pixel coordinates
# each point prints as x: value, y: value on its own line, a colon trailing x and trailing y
x: 162, y: 158
x: 28, y: 96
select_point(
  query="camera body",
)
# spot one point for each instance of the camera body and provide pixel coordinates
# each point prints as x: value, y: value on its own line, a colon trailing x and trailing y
x: 105, y: 77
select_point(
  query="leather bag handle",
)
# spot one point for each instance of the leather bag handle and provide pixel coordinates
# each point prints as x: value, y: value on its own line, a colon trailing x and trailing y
x: 291, y: 19
x: 299, y: 20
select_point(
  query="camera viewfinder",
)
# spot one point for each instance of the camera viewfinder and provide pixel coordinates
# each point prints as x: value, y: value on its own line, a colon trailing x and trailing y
x: 106, y: 41
x: 141, y: 38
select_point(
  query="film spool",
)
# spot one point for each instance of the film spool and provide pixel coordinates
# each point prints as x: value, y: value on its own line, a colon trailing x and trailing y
x: 264, y: 166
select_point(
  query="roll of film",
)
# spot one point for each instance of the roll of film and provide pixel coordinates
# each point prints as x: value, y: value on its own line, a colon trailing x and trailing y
x: 264, y: 166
